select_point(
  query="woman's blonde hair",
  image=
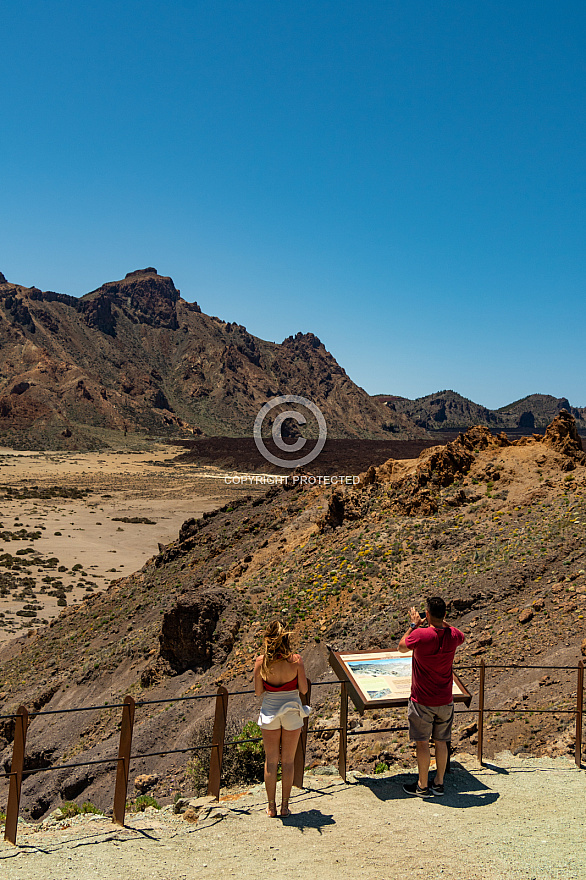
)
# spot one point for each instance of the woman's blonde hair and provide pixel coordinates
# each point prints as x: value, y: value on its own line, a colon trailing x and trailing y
x: 276, y: 646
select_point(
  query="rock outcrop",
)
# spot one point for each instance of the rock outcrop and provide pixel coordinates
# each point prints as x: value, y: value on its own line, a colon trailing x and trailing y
x: 199, y: 630
x: 562, y: 435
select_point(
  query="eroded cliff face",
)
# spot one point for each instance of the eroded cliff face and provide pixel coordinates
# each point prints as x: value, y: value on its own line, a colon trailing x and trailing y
x: 134, y: 356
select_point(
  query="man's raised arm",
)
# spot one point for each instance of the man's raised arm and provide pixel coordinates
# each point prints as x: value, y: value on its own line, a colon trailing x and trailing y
x: 416, y: 620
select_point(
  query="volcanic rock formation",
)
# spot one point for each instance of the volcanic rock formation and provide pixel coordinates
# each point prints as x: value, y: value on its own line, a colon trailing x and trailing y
x: 134, y: 356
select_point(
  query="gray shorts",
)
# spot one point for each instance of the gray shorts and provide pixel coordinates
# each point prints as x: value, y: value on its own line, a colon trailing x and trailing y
x: 430, y: 722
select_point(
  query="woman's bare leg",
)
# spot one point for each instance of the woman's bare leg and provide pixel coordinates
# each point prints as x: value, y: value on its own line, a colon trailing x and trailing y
x: 289, y: 740
x: 272, y: 743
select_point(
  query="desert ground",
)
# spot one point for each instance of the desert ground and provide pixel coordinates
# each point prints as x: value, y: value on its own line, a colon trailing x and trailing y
x: 512, y: 819
x: 60, y: 547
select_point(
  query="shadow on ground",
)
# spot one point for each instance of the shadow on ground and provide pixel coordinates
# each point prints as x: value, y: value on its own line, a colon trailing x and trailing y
x: 309, y: 819
x: 462, y: 789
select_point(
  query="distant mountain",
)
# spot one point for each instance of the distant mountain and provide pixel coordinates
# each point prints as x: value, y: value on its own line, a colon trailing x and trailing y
x: 134, y: 356
x: 538, y: 410
x: 443, y: 411
x: 447, y: 411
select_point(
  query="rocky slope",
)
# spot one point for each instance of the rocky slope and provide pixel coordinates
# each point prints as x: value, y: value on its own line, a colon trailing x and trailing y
x: 495, y: 526
x: 449, y: 411
x: 134, y: 356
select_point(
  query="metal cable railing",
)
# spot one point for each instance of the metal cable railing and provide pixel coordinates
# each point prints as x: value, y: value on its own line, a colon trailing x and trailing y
x: 23, y: 718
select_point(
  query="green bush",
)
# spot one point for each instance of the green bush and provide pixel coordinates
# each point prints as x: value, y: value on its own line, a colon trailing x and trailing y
x: 381, y: 767
x: 142, y: 802
x: 242, y: 762
x: 70, y: 808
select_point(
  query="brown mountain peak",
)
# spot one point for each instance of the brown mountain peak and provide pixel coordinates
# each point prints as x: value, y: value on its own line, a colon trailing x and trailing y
x: 150, y: 270
x: 303, y: 340
x: 143, y: 294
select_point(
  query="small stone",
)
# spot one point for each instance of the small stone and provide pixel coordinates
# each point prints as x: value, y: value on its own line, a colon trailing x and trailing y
x: 538, y: 604
x: 583, y: 648
x: 526, y: 615
x: 326, y: 771
x: 145, y: 781
x: 191, y: 815
x: 180, y: 805
x: 469, y: 730
x: 206, y: 800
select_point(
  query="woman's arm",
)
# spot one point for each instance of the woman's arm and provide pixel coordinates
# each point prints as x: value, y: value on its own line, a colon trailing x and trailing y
x: 301, y: 677
x: 258, y: 685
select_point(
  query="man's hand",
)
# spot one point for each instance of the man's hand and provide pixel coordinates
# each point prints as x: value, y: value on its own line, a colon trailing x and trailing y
x: 415, y: 616
x: 416, y: 619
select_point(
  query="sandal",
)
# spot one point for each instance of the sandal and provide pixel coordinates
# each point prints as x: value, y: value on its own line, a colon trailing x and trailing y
x: 272, y: 809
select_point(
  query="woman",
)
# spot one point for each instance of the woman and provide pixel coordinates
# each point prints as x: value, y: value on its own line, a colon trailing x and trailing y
x: 279, y: 677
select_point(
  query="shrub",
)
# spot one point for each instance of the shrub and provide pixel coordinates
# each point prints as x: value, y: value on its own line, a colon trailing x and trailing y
x: 142, y: 802
x: 381, y: 767
x: 70, y: 808
x: 242, y: 763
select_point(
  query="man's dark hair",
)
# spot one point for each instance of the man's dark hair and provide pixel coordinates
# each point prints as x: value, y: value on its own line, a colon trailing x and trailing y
x: 436, y: 607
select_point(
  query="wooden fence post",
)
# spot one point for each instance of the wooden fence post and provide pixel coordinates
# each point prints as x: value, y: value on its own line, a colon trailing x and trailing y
x: 343, y: 748
x: 21, y: 723
x: 481, y: 711
x: 579, y: 711
x: 123, y: 765
x: 302, y: 744
x: 218, y: 739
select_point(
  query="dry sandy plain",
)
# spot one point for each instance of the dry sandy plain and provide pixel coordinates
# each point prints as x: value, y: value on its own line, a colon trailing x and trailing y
x: 87, y: 536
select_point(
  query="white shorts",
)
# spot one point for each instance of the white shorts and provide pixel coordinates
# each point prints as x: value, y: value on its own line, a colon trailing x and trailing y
x: 282, y: 709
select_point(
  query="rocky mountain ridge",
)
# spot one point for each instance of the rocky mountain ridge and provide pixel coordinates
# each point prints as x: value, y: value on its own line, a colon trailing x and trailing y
x: 133, y: 356
x: 449, y: 411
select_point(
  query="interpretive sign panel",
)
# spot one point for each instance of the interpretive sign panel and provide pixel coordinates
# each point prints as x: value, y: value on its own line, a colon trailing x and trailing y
x: 377, y: 679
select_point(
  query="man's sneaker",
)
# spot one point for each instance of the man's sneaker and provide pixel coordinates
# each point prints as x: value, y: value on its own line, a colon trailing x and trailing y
x: 413, y: 788
x: 437, y: 788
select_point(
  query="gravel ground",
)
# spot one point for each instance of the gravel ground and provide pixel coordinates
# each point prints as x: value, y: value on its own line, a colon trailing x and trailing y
x: 514, y: 818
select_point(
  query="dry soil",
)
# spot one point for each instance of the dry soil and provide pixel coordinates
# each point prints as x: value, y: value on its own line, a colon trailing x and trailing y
x: 514, y: 819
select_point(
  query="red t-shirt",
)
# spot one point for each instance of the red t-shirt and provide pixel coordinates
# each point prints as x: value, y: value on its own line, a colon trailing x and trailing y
x: 433, y: 658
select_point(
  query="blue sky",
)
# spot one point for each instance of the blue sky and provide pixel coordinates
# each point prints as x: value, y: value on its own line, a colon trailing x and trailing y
x: 405, y: 180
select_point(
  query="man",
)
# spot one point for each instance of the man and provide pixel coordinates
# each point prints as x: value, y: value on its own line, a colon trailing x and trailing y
x: 431, y: 706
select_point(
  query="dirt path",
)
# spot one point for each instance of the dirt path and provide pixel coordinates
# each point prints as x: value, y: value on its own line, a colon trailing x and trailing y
x: 515, y: 819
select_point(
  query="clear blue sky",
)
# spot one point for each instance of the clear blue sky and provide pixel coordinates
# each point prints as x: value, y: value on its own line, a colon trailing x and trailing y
x: 404, y: 179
